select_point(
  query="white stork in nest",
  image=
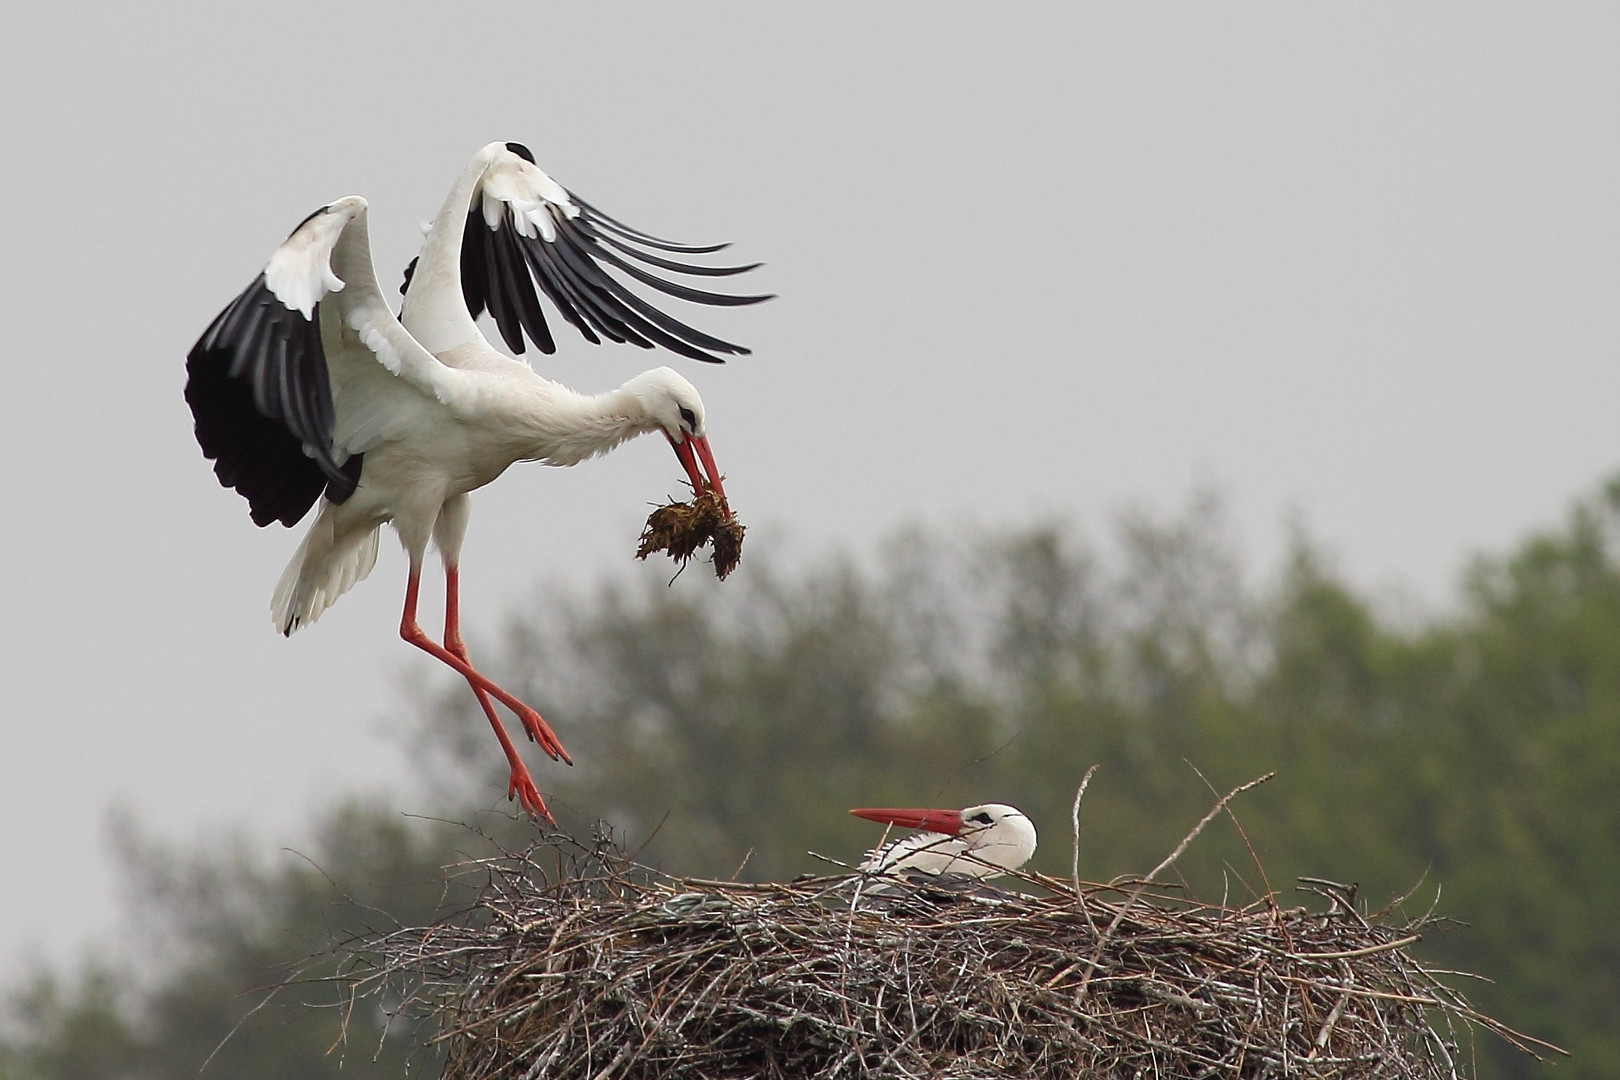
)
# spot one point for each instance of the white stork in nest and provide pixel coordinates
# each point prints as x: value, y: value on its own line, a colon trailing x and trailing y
x: 309, y: 393
x: 977, y: 842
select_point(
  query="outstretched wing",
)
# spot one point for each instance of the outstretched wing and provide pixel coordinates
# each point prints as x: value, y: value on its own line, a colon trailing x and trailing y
x: 306, y: 370
x: 526, y: 235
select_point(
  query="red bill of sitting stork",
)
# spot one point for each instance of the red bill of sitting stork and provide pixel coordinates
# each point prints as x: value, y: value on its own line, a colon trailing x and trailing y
x: 308, y: 390
x: 977, y: 842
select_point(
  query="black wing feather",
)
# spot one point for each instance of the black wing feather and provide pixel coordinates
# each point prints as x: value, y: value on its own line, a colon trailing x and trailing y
x: 649, y: 320
x: 530, y: 314
x: 590, y: 248
x: 502, y: 307
x: 607, y: 221
x: 608, y: 297
x: 599, y: 306
x: 259, y: 393
x: 505, y: 272
x: 584, y: 225
x: 474, y: 287
x: 574, y: 308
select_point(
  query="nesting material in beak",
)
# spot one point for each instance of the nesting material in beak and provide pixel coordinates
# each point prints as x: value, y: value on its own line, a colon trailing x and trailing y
x: 682, y: 528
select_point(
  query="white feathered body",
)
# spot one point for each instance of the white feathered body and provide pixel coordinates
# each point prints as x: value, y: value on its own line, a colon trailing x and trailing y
x: 1003, y: 841
x: 502, y: 413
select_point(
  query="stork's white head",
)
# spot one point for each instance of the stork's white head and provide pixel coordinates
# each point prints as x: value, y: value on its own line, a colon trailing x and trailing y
x: 977, y: 841
x: 999, y: 834
x: 669, y: 402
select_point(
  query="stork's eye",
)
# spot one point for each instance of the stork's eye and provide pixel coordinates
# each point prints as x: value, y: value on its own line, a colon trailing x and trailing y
x: 981, y: 818
x: 689, y: 418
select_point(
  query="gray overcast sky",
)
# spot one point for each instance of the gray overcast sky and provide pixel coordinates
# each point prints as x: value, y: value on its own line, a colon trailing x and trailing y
x: 1356, y: 260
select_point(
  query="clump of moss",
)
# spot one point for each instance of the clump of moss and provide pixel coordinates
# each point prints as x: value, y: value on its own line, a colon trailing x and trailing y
x: 682, y: 528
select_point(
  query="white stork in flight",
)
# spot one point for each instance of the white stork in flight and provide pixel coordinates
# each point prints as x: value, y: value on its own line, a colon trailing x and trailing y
x: 977, y: 842
x: 308, y: 390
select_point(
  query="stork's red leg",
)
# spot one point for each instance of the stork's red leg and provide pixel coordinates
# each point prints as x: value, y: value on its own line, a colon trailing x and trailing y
x: 521, y: 784
x: 533, y: 724
x: 531, y: 719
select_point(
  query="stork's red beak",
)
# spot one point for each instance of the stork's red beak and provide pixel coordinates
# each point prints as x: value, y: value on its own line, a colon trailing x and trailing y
x: 689, y: 460
x: 948, y: 822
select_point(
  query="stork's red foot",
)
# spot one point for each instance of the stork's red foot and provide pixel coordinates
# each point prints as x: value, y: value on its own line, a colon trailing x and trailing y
x: 454, y: 653
x: 456, y: 656
x: 539, y: 731
x: 521, y: 787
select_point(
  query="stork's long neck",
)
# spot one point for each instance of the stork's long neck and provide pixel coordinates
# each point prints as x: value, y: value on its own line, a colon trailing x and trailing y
x: 435, y: 311
x: 564, y: 427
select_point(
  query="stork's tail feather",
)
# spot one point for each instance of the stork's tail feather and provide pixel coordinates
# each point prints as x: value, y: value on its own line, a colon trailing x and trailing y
x: 322, y: 569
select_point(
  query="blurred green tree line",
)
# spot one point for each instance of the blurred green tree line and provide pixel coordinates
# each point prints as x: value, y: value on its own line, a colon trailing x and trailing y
x: 1472, y: 753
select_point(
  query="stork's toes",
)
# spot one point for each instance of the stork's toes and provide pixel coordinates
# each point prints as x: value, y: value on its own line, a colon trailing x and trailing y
x: 539, y: 731
x: 521, y: 787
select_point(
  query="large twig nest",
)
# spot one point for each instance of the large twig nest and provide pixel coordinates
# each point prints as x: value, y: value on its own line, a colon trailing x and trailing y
x: 576, y: 963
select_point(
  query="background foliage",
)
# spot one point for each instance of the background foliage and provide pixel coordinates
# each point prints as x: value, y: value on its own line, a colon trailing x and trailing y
x: 1471, y: 754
